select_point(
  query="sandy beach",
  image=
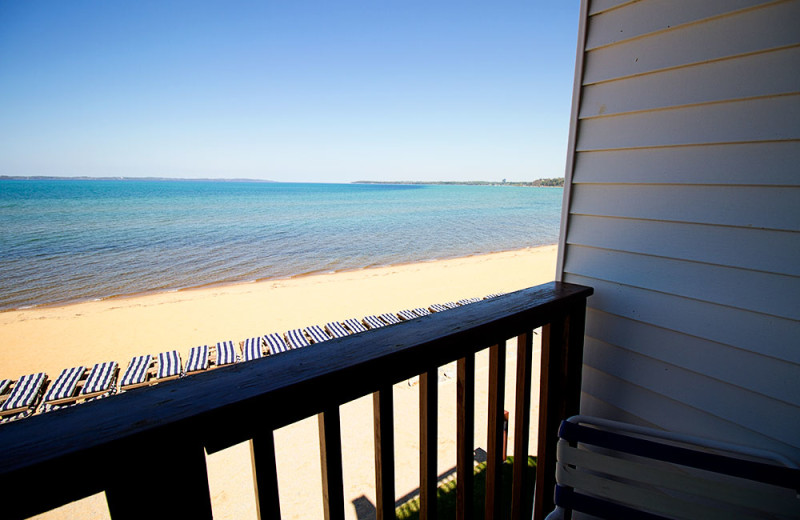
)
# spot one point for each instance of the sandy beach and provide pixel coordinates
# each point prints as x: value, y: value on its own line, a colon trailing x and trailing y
x: 52, y: 338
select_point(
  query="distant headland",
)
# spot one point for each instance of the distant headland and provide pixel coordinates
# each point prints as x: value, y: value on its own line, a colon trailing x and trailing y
x: 557, y: 182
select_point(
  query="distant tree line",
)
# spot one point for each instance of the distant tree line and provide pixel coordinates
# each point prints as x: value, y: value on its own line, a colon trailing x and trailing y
x: 557, y: 182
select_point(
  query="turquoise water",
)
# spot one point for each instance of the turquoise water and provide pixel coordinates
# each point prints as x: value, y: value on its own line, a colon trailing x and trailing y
x: 72, y: 240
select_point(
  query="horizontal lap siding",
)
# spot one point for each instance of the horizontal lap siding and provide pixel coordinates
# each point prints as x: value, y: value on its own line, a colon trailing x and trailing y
x: 683, y: 213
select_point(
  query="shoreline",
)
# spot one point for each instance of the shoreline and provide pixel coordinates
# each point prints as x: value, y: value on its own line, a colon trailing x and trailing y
x: 225, y: 284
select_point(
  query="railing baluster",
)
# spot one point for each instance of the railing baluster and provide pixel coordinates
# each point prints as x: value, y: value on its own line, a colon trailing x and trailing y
x: 428, y: 432
x: 383, y: 410
x: 522, y: 419
x: 559, y: 396
x: 265, y: 476
x: 167, y: 479
x: 330, y: 450
x: 465, y: 437
x: 497, y: 378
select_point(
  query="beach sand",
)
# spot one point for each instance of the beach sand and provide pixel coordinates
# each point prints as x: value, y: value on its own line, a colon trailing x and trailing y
x: 52, y: 338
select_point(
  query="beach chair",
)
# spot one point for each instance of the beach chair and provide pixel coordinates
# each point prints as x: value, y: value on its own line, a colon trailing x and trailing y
x: 198, y: 360
x: 373, y: 322
x: 407, y: 315
x: 450, y: 305
x: 24, y: 396
x: 64, y: 389
x: 101, y: 381
x: 421, y: 312
x: 467, y: 301
x: 5, y: 388
x: 437, y: 307
x: 138, y: 373
x: 295, y: 338
x: 336, y: 330
x: 390, y: 319
x: 316, y: 333
x: 169, y: 366
x: 275, y: 344
x: 354, y: 325
x: 494, y: 295
x: 609, y: 469
x: 251, y: 349
x: 225, y: 354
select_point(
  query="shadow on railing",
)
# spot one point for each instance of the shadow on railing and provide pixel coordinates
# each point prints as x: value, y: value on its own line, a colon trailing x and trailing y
x: 152, y: 442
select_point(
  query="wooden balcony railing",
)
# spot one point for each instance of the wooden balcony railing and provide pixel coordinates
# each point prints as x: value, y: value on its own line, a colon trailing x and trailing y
x: 149, y: 446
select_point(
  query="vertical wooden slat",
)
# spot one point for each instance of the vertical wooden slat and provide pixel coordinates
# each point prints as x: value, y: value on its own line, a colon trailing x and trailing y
x: 167, y: 479
x: 265, y: 476
x: 559, y: 396
x: 465, y: 437
x: 330, y: 450
x: 383, y: 411
x: 497, y: 378
x: 428, y: 432
x: 520, y: 505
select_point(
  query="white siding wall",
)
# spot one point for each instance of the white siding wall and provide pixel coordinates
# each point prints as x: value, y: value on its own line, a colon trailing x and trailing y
x: 682, y: 210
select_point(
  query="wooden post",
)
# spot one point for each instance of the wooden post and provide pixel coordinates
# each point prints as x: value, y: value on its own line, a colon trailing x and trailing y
x: 494, y: 474
x: 330, y: 450
x: 465, y: 437
x: 428, y: 432
x: 559, y: 396
x: 265, y: 476
x: 521, y: 505
x: 383, y: 411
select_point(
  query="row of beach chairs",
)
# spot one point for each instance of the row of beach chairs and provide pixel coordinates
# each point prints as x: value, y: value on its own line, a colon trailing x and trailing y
x: 32, y: 394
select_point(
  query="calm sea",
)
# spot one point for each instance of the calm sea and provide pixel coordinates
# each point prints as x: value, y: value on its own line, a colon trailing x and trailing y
x: 72, y: 240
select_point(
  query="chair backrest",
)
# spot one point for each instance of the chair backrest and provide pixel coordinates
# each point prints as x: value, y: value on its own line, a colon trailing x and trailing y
x: 275, y: 344
x: 296, y: 339
x: 317, y: 334
x: 390, y: 319
x: 336, y: 330
x: 65, y: 384
x: 354, y: 325
x: 101, y: 378
x: 421, y: 312
x: 614, y: 470
x: 373, y: 322
x: 226, y: 353
x: 437, y: 307
x: 198, y: 359
x: 407, y: 315
x: 169, y: 364
x: 136, y: 371
x: 252, y: 349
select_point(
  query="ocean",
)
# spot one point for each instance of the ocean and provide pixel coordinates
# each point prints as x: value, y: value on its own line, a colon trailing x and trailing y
x: 74, y: 240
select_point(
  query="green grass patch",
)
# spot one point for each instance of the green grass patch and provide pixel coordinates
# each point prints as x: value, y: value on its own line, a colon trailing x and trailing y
x: 446, y: 493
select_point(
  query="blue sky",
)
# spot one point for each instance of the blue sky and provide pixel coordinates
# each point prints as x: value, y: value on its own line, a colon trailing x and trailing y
x: 287, y: 90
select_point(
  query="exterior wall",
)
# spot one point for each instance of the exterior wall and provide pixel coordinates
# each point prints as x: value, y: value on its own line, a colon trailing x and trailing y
x: 682, y: 210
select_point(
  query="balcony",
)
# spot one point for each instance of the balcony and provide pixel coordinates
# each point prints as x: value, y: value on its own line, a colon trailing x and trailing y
x: 55, y: 458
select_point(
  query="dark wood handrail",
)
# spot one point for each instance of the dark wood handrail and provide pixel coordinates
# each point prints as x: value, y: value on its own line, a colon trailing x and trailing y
x: 54, y: 458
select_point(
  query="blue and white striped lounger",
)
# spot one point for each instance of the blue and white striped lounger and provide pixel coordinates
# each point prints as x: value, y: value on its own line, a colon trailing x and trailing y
x: 390, y: 319
x: 169, y: 365
x: 421, y: 312
x: 137, y: 373
x: 198, y: 359
x: 4, y: 384
x: 467, y: 301
x: 354, y: 325
x: 275, y: 344
x: 65, y: 386
x: 24, y: 396
x: 373, y: 322
x: 407, y: 315
x: 490, y: 296
x: 450, y: 305
x: 317, y: 334
x: 296, y: 339
x: 252, y: 349
x: 336, y: 330
x: 101, y: 379
x: 437, y: 307
x: 226, y: 353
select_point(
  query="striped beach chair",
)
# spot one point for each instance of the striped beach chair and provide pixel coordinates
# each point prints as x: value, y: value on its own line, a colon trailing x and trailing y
x: 251, y: 349
x: 138, y: 372
x: 467, y: 301
x: 225, y: 353
x: 437, y: 307
x: 407, y: 315
x: 169, y: 365
x: 101, y: 381
x: 494, y: 295
x: 64, y: 389
x: 336, y: 330
x: 354, y: 325
x: 450, y: 305
x: 421, y: 311
x: 296, y: 339
x: 373, y: 322
x: 5, y: 387
x: 390, y: 319
x: 24, y: 396
x: 275, y: 344
x: 198, y: 360
x: 317, y: 334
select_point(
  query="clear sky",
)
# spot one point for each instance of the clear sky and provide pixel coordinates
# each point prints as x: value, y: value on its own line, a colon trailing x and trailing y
x: 288, y: 90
